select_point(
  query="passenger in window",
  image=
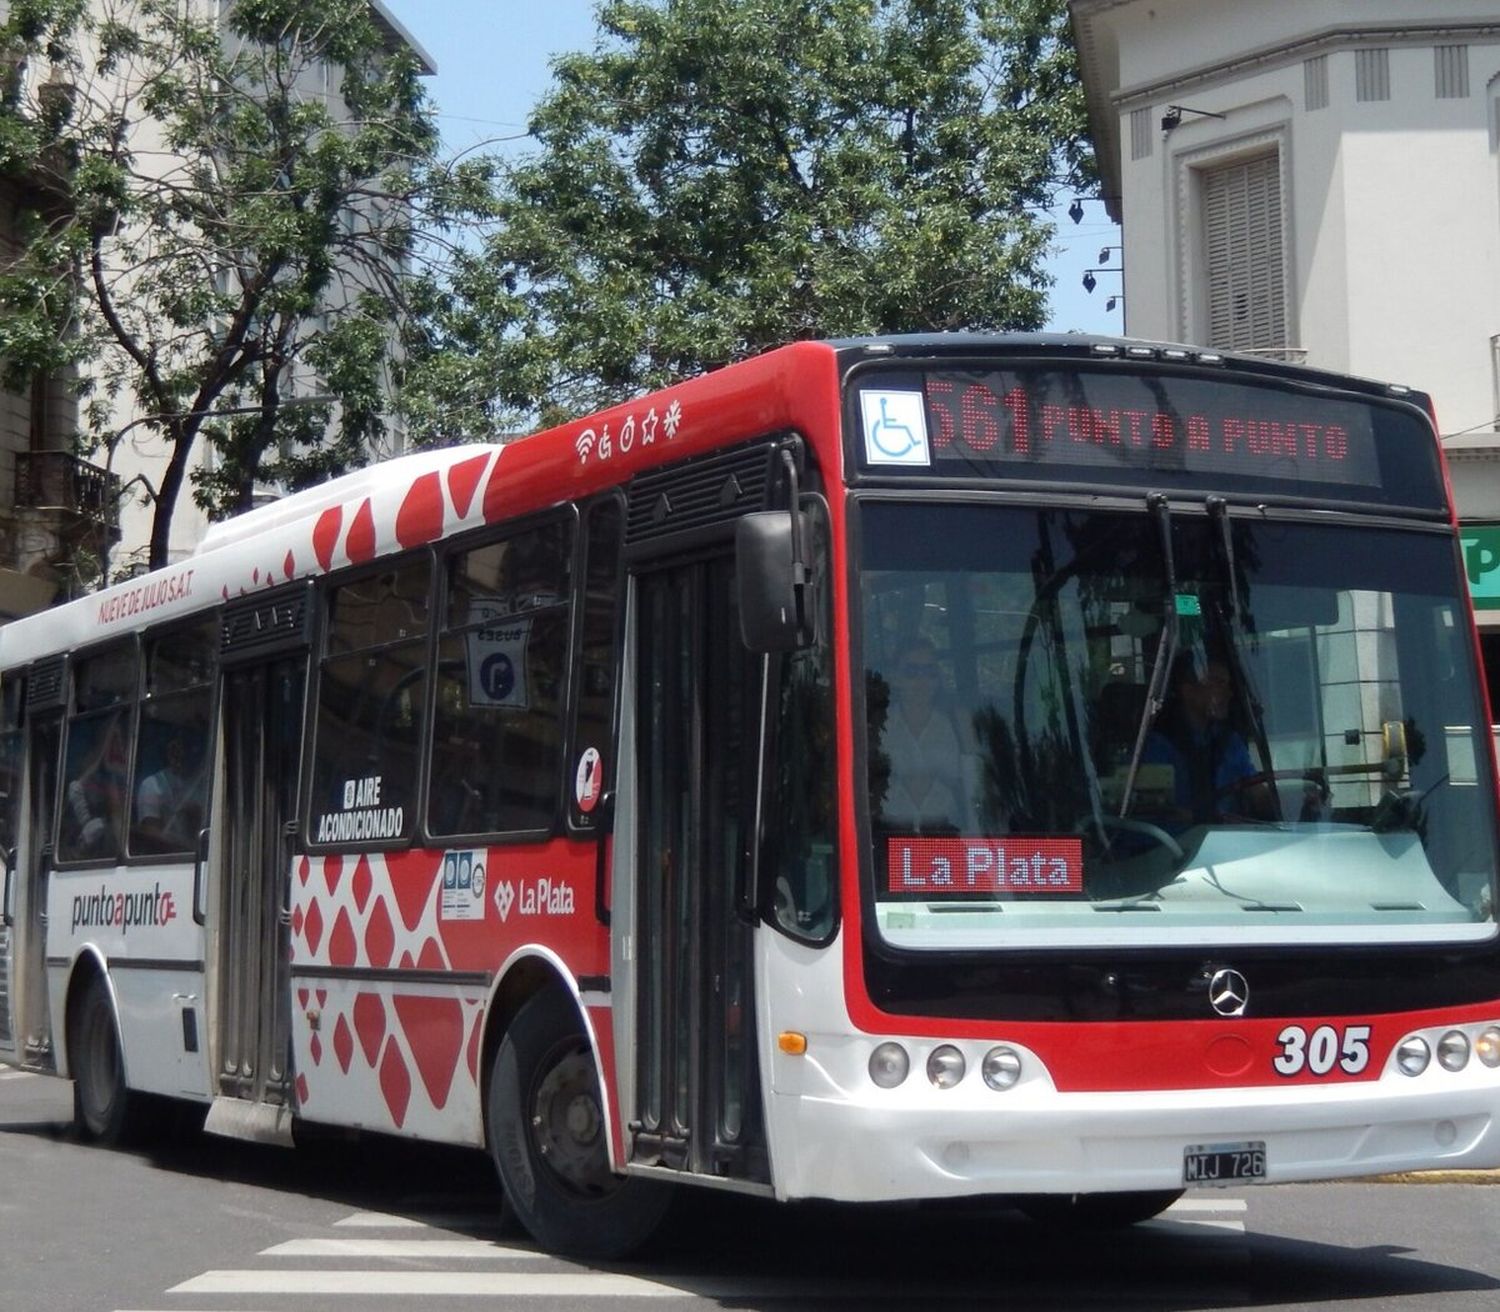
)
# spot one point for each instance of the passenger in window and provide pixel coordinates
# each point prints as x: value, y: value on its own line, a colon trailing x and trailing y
x: 96, y: 798
x: 169, y: 802
x: 925, y: 792
x: 1214, y: 778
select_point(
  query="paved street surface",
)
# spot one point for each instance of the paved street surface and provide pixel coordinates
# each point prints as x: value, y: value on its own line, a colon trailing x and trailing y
x: 197, y: 1224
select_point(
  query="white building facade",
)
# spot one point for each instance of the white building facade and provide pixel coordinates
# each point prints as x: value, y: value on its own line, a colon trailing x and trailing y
x: 1318, y: 182
x: 141, y: 454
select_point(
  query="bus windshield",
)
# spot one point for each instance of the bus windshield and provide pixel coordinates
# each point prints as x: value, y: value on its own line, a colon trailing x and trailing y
x: 1091, y: 727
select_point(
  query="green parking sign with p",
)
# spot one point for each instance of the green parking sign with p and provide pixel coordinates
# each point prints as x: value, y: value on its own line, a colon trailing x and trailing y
x: 1481, y: 544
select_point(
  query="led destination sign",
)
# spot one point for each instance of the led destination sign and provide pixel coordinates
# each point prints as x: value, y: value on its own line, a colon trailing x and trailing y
x: 1097, y: 425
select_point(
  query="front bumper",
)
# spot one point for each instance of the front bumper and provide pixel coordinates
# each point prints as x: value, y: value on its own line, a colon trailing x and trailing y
x: 838, y: 1136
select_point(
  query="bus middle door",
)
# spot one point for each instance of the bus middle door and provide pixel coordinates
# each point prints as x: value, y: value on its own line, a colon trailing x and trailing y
x: 31, y: 858
x: 263, y: 708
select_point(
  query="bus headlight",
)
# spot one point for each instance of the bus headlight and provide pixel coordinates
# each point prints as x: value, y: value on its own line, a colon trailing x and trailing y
x: 1453, y: 1050
x: 1487, y: 1046
x: 945, y: 1067
x: 889, y: 1065
x: 1002, y: 1068
x: 1413, y: 1055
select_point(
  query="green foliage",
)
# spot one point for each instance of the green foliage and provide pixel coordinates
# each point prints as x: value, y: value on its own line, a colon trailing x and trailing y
x: 240, y: 197
x: 721, y: 176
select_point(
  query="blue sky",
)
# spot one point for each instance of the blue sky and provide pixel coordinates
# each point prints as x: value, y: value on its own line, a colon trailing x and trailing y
x: 493, y: 60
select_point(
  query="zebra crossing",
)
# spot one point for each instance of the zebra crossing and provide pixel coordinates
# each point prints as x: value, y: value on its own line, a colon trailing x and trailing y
x: 376, y: 1259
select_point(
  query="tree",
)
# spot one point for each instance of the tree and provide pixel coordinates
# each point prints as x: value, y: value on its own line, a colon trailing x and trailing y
x: 721, y: 176
x: 227, y: 210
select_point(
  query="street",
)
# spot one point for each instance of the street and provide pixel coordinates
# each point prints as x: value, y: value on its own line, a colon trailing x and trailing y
x: 198, y: 1224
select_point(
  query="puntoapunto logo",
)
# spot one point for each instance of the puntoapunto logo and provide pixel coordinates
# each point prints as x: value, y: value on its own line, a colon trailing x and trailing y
x: 108, y: 909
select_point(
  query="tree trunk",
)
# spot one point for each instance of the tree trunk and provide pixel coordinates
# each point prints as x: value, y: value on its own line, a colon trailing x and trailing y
x: 181, y: 435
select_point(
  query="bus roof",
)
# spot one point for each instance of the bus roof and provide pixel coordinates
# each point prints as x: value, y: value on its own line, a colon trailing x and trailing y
x: 428, y: 495
x: 1093, y: 345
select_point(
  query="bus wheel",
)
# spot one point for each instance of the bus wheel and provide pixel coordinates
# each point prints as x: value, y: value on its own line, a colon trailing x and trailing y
x: 1097, y: 1211
x: 547, y: 1135
x: 103, y: 1108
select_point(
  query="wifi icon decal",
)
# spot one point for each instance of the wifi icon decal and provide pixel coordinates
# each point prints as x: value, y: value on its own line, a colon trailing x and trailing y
x: 584, y: 444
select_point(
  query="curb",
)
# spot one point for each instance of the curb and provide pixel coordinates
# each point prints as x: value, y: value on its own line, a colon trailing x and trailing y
x: 1433, y: 1177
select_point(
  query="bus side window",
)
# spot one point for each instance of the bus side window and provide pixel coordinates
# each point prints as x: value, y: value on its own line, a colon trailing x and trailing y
x: 502, y: 684
x: 371, y: 706
x: 172, y: 746
x: 12, y: 699
x: 96, y: 760
x: 593, y: 711
x: 798, y: 854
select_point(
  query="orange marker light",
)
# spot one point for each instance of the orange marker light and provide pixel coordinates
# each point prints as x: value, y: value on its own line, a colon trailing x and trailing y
x: 789, y: 1041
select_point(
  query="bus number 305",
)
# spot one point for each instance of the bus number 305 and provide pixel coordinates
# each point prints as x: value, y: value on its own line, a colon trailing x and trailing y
x: 1324, y: 1049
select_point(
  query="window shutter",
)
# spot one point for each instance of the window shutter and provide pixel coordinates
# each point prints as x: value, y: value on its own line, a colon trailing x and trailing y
x: 1244, y: 256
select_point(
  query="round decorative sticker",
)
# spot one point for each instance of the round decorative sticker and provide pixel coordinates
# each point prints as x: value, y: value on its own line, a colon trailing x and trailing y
x: 587, y: 783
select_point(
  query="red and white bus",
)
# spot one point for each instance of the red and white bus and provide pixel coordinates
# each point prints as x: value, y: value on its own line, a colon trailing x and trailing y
x: 1042, y: 768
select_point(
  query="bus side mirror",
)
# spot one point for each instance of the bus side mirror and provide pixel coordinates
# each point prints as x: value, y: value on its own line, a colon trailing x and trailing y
x: 772, y: 581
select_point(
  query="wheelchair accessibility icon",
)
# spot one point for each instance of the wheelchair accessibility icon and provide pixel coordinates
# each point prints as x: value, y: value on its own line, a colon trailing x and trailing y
x: 895, y: 428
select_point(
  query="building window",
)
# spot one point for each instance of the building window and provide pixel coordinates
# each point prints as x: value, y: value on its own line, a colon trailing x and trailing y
x: 1372, y: 74
x: 1140, y: 133
x: 1244, y: 254
x: 1315, y: 82
x: 1450, y: 70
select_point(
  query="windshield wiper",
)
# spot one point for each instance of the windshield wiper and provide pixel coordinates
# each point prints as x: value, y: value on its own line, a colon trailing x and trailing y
x: 1166, y: 649
x: 1250, y: 703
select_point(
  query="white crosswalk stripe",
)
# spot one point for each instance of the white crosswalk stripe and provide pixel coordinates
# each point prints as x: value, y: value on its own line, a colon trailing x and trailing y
x: 1200, y: 1212
x: 467, y: 1221
x: 1199, y: 1203
x: 435, y: 1255
x: 402, y: 1249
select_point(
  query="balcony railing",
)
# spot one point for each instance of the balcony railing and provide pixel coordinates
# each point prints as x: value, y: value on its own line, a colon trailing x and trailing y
x: 58, y: 480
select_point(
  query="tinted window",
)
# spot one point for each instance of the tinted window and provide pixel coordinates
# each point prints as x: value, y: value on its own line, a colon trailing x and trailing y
x: 501, y: 684
x: 799, y: 840
x: 372, y: 693
x: 594, y: 713
x: 96, y: 760
x: 173, y: 743
x: 12, y: 698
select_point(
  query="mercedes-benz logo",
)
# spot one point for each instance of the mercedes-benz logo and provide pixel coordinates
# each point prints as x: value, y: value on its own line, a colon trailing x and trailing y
x: 1228, y: 992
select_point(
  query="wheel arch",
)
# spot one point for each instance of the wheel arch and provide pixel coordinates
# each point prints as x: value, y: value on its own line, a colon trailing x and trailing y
x: 88, y: 966
x: 526, y: 973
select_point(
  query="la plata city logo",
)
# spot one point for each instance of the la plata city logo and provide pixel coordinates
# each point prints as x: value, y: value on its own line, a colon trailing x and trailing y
x: 534, y: 897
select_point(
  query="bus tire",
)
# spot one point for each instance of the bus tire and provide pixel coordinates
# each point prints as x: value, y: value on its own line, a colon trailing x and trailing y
x: 547, y: 1135
x: 1097, y: 1211
x: 104, y: 1109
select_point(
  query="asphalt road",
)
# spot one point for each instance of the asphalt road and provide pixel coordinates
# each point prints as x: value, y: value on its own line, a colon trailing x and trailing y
x: 198, y: 1224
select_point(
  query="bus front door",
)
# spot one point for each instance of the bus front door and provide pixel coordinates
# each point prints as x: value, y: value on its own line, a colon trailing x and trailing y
x: 697, y: 722
x: 262, y: 715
